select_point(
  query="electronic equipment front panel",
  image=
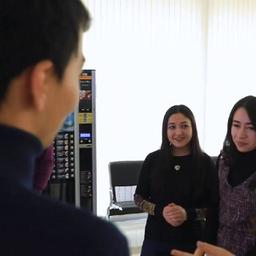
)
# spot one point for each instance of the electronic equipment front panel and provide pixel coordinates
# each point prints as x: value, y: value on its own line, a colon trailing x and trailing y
x: 87, y: 140
x: 74, y: 174
x: 62, y: 181
x: 64, y: 151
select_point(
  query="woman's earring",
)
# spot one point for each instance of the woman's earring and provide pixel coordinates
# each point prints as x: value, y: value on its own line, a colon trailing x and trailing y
x: 227, y: 143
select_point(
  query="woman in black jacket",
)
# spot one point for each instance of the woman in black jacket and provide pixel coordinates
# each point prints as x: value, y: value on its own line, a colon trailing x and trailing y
x: 178, y: 188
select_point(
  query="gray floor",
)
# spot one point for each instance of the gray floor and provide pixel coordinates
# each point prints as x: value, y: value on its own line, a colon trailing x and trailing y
x: 132, y: 226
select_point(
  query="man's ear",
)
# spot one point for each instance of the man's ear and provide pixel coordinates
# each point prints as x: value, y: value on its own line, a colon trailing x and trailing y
x: 41, y: 76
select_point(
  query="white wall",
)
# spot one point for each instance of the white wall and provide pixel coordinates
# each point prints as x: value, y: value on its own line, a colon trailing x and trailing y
x: 231, y: 63
x: 150, y: 55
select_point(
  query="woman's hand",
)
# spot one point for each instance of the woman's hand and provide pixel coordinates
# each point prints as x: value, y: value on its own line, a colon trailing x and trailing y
x: 204, y: 249
x: 174, y: 214
x: 198, y: 252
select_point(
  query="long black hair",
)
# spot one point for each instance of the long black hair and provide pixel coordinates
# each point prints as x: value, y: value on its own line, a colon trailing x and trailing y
x: 195, y: 148
x: 249, y: 104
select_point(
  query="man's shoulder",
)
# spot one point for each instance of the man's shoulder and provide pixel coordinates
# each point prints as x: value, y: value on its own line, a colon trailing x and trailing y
x: 87, y: 229
x: 74, y: 216
x: 50, y: 222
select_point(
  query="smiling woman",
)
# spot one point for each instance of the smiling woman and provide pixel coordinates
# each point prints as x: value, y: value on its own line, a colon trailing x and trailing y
x: 177, y: 187
x: 179, y: 133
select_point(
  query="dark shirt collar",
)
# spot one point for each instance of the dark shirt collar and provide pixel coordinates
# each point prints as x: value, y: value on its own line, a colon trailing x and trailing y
x: 18, y: 152
x: 246, y: 159
x: 242, y: 167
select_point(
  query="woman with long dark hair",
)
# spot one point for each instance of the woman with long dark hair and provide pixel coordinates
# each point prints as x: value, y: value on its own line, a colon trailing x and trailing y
x: 178, y: 189
x: 237, y: 184
x: 237, y: 178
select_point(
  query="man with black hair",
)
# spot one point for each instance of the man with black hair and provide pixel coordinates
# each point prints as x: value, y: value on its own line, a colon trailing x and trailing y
x: 40, y: 63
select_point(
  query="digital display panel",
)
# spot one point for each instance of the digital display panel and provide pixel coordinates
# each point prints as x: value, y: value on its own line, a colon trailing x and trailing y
x: 85, y: 135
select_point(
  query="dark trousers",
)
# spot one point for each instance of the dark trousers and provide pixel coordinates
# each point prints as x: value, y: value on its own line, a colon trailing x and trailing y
x: 154, y: 248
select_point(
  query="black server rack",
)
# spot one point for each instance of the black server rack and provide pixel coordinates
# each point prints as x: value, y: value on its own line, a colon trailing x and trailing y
x: 62, y: 181
x: 87, y: 141
x: 73, y: 179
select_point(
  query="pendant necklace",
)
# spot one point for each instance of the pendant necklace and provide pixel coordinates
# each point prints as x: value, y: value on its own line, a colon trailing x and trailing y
x: 177, y: 167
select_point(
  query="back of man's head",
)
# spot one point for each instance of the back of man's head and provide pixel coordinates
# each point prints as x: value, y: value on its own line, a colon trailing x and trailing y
x: 35, y: 30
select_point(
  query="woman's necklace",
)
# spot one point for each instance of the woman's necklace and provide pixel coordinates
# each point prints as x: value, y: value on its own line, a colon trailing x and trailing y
x: 178, y: 158
x: 177, y: 167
